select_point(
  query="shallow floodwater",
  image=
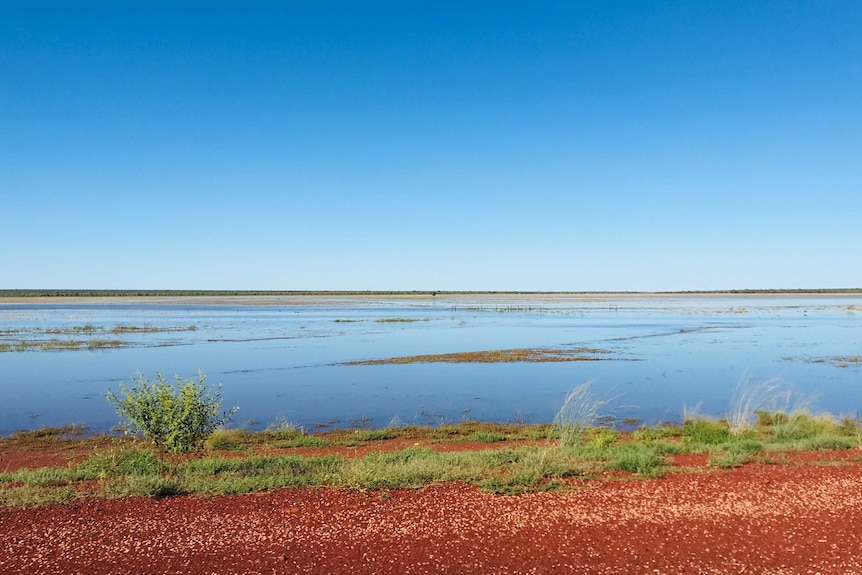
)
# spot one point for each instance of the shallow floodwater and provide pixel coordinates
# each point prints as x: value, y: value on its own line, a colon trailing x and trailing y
x: 282, y: 359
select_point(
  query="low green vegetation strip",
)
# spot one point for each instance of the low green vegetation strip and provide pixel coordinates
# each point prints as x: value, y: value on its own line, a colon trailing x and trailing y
x: 529, y: 355
x: 555, y: 456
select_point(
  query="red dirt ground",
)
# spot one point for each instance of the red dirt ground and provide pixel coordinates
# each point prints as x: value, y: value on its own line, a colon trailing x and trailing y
x: 801, y: 516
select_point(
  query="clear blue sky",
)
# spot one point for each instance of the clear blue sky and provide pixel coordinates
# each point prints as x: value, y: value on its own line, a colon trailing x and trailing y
x: 431, y: 145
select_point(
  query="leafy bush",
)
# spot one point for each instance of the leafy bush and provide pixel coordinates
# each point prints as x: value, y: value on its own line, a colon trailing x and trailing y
x: 176, y: 417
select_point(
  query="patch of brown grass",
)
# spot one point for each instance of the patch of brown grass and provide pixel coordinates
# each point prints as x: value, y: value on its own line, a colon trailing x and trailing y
x: 529, y: 355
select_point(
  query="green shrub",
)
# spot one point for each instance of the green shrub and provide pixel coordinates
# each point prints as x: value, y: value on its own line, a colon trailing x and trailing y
x: 176, y: 417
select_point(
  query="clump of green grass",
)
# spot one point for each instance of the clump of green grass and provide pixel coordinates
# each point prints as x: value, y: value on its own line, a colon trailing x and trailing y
x: 467, y: 429
x: 357, y: 437
x: 373, y: 434
x: 802, y: 430
x: 409, y: 468
x: 35, y: 495
x: 801, y: 425
x: 231, y: 439
x: 705, y: 432
x: 601, y: 436
x: 826, y: 442
x: 43, y: 477
x: 536, y: 469
x: 735, y: 453
x: 657, y: 433
x: 487, y: 437
x: 119, y: 463
x: 279, y: 435
x: 642, y: 459
x: 157, y: 487
x: 302, y: 441
x: 234, y: 476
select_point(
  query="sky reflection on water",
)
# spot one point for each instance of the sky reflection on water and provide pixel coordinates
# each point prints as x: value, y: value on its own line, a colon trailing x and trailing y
x: 279, y: 359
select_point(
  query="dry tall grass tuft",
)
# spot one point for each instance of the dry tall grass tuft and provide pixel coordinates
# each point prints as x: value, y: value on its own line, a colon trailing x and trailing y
x: 580, y: 410
x: 748, y: 398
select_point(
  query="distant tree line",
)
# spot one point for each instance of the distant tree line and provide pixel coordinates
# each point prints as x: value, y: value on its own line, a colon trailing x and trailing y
x: 9, y: 293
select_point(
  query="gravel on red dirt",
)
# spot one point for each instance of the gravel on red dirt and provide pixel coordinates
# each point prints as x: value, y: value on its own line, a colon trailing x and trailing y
x: 801, y: 516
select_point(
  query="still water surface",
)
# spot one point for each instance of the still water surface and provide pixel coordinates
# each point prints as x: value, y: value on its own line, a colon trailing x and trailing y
x: 283, y: 358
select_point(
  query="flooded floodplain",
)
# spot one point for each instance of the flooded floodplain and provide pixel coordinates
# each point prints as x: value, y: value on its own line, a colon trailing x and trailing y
x: 344, y: 361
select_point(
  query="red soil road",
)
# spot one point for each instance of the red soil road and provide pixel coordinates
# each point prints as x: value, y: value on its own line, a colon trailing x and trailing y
x: 797, y: 517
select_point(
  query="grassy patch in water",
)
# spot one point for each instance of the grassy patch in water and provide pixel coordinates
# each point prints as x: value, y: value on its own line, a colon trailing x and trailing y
x: 841, y: 361
x: 62, y: 345
x: 124, y: 328
x: 32, y: 339
x: 528, y: 355
x: 77, y: 329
